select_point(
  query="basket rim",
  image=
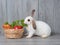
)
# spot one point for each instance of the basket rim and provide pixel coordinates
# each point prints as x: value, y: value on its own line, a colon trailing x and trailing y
x: 13, y: 30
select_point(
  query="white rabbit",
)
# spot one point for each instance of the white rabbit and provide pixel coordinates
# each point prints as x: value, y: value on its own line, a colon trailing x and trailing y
x: 39, y: 28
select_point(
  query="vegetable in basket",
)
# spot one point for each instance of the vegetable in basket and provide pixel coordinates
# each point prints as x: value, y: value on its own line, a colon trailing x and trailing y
x: 18, y: 24
x: 6, y: 25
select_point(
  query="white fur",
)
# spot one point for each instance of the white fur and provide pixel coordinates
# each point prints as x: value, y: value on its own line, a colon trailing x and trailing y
x: 30, y: 31
x: 42, y: 28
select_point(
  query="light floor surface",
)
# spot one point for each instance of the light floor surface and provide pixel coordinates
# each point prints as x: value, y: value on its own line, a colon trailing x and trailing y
x: 52, y: 40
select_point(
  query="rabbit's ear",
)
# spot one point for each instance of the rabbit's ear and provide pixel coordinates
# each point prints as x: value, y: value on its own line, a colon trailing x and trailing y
x: 34, y: 24
x: 33, y: 12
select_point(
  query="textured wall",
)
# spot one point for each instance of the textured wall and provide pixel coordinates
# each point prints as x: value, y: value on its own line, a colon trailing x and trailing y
x: 46, y: 10
x: 49, y: 11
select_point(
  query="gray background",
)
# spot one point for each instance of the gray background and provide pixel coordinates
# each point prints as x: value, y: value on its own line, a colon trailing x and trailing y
x: 46, y: 10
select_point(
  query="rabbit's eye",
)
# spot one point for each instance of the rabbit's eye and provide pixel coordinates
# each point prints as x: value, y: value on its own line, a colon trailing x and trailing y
x: 28, y: 19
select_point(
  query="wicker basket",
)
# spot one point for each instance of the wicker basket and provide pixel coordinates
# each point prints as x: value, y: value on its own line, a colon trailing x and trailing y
x: 13, y: 33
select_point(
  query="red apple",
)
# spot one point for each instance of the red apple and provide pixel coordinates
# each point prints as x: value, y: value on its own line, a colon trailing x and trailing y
x: 18, y: 27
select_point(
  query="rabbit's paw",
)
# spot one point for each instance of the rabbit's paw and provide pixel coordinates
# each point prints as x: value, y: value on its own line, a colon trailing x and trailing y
x: 44, y: 36
x: 28, y: 36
